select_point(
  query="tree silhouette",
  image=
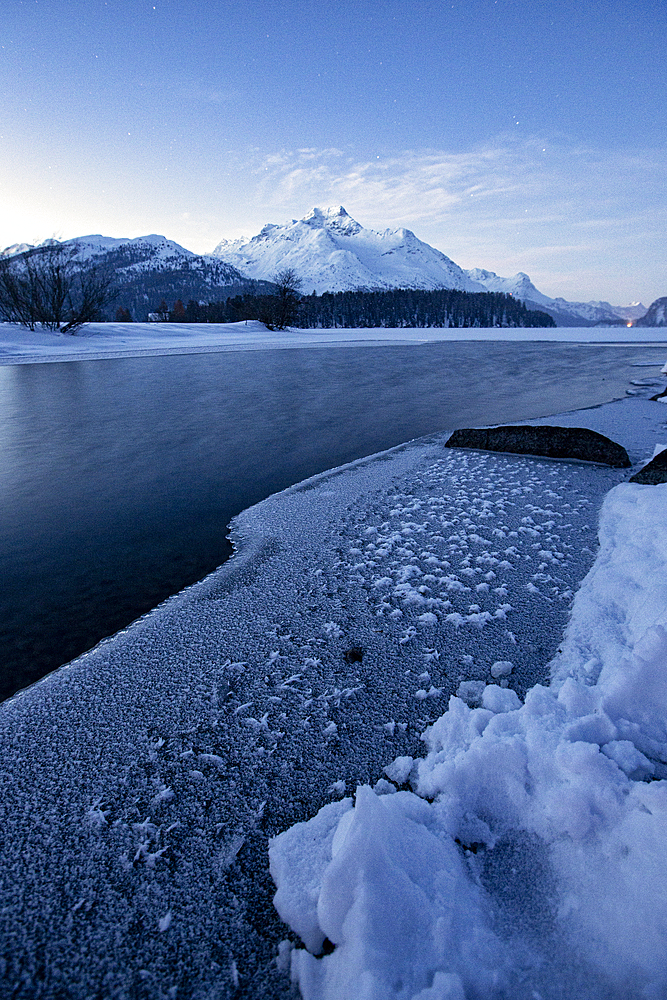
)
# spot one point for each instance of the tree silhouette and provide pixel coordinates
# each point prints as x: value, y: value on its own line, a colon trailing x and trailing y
x: 278, y: 311
x: 50, y: 286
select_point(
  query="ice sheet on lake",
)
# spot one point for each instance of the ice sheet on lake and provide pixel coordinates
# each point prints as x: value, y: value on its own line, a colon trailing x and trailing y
x: 141, y: 784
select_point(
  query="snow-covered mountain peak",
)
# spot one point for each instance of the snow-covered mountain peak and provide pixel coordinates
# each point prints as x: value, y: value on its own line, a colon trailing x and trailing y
x: 332, y: 252
x: 334, y: 217
x: 154, y: 245
x: 15, y: 249
x: 520, y: 285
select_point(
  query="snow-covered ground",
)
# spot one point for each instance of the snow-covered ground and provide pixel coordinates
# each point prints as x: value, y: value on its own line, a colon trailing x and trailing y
x: 529, y: 857
x: 524, y: 852
x: 108, y: 340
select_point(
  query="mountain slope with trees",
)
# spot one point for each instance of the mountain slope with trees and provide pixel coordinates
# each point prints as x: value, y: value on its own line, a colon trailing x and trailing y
x: 147, y: 271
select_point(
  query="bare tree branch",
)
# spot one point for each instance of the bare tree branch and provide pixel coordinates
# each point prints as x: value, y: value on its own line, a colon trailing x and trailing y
x: 52, y: 287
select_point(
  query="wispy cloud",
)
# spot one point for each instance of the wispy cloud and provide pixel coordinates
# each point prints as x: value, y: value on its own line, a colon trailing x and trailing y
x: 553, y: 209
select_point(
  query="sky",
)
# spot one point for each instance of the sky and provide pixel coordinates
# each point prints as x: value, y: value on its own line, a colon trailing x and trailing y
x: 515, y: 135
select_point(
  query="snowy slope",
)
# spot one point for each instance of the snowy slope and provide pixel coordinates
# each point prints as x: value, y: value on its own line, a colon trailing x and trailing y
x: 148, y: 269
x: 520, y: 286
x: 129, y: 257
x: 656, y: 314
x: 331, y: 252
x: 149, y: 253
x: 155, y: 248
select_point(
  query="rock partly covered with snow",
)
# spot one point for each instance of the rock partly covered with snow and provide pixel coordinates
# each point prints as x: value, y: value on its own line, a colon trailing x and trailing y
x: 552, y: 442
x: 654, y: 472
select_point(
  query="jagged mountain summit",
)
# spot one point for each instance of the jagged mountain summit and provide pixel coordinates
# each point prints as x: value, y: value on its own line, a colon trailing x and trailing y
x: 331, y: 252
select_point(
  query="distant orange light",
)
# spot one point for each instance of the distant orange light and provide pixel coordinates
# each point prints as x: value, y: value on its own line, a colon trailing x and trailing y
x: 628, y: 324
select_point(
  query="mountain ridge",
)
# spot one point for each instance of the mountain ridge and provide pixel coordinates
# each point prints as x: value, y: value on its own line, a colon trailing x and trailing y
x: 329, y: 251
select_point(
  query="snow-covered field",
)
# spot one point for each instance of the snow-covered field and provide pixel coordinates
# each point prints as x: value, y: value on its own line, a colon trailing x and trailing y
x: 107, y: 340
x: 509, y: 842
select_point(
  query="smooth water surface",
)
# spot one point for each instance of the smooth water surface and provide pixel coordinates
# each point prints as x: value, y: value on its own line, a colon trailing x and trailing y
x: 118, y: 478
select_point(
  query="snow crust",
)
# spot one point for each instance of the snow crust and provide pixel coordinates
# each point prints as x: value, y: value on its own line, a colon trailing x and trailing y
x: 529, y: 858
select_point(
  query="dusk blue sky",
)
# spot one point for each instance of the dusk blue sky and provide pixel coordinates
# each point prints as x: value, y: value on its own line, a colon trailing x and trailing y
x: 512, y: 135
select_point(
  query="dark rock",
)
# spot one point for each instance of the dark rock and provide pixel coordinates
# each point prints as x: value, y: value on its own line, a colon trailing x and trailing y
x: 653, y: 473
x: 353, y: 655
x: 552, y: 442
x: 659, y: 395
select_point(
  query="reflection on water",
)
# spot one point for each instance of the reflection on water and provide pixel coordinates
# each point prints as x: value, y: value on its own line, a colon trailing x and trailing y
x: 118, y: 478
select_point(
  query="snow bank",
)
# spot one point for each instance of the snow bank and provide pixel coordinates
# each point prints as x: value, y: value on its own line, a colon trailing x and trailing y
x: 530, y: 860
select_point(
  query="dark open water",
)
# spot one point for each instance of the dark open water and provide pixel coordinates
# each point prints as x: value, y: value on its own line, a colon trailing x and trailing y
x: 118, y: 478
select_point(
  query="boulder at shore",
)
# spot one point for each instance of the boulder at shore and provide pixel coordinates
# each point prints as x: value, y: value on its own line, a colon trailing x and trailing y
x: 654, y: 472
x: 552, y: 442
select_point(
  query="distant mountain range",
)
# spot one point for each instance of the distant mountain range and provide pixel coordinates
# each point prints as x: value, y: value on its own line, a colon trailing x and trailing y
x: 330, y: 252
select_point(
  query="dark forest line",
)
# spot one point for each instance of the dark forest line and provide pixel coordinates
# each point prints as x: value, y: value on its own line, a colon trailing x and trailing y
x: 402, y: 307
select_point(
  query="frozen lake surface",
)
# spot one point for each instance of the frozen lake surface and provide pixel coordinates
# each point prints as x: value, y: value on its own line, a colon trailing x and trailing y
x: 120, y: 476
x: 140, y: 785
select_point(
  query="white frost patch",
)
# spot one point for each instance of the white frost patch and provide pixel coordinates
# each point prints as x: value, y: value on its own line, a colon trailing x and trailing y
x: 580, y: 909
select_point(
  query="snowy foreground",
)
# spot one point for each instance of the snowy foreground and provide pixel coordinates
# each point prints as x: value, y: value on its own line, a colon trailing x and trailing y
x: 530, y: 859
x: 107, y: 340
x: 508, y: 842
